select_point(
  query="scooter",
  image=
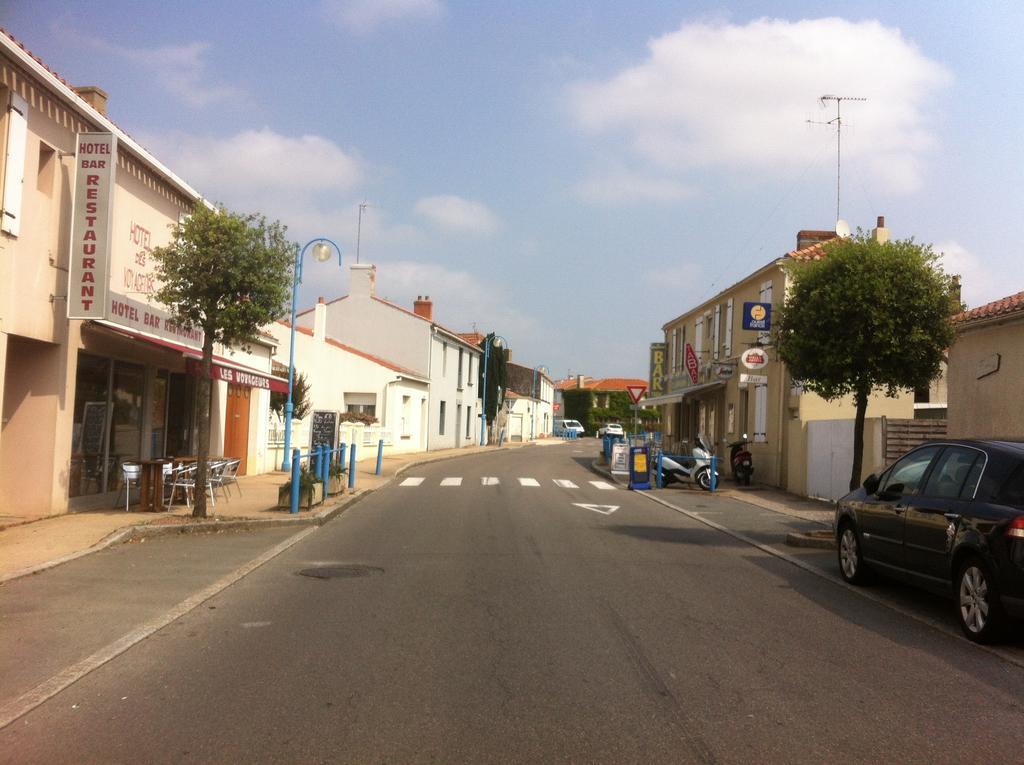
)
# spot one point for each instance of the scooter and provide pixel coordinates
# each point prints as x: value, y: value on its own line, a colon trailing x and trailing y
x: 741, y: 460
x: 695, y: 469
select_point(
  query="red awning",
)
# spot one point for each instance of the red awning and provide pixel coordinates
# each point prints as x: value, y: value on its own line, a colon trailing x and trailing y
x: 222, y: 368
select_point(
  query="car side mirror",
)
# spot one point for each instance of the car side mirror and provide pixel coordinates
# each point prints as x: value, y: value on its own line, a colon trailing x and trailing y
x: 892, y: 491
x: 871, y: 484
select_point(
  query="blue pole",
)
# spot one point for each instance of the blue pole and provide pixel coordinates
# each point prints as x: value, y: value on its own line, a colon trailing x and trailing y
x: 659, y: 471
x: 352, y: 468
x: 714, y: 473
x: 380, y: 454
x: 295, y: 480
x: 325, y: 461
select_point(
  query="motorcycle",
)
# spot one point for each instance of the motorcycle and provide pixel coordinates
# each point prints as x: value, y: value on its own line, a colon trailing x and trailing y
x: 741, y: 460
x: 694, y: 469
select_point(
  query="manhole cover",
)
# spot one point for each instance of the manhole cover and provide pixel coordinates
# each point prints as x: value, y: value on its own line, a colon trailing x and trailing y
x: 340, y: 572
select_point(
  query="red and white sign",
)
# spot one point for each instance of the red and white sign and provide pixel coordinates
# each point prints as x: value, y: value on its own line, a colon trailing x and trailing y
x: 754, y: 358
x: 692, y: 363
x: 636, y: 392
x: 89, y: 263
x: 556, y: 408
x: 236, y: 376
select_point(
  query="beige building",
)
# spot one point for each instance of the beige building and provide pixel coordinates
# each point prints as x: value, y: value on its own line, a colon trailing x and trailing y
x: 93, y: 373
x: 986, y: 369
x: 723, y: 380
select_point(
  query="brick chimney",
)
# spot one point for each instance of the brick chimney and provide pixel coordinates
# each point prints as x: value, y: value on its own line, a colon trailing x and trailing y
x: 808, y: 237
x: 362, y: 280
x: 95, y: 97
x: 880, y: 233
x: 424, y: 307
x: 320, y: 320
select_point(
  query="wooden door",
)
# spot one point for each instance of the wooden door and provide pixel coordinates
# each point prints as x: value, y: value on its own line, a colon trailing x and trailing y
x: 236, y: 428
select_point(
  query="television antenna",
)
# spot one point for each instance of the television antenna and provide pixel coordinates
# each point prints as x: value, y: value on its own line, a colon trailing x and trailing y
x: 838, y: 122
x: 359, y: 228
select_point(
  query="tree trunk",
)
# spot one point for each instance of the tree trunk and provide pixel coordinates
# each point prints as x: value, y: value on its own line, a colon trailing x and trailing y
x: 199, y: 508
x: 861, y: 399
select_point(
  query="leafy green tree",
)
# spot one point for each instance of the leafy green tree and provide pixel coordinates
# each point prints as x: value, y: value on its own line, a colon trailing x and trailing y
x: 497, y: 375
x: 227, y: 275
x: 867, y: 316
x: 301, y: 400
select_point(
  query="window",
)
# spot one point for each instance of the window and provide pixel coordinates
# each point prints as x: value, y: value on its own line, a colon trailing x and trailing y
x: 716, y: 333
x: 47, y: 163
x: 760, y: 414
x: 728, y: 329
x: 905, y: 476
x: 949, y: 477
x: 444, y: 359
x: 1012, y: 492
x: 460, y: 369
x: 698, y: 337
x: 469, y: 426
x: 440, y: 424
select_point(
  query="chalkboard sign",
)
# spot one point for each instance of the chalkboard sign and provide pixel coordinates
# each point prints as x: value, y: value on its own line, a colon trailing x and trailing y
x: 324, y: 428
x: 94, y: 427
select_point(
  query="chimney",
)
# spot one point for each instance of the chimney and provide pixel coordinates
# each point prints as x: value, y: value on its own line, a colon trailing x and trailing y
x: 880, y: 233
x: 95, y: 97
x: 579, y: 381
x: 362, y: 280
x: 423, y: 307
x: 320, y: 320
x: 807, y: 238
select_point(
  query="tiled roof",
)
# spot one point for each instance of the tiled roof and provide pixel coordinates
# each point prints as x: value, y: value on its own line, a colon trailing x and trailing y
x: 1014, y: 304
x: 569, y: 383
x: 473, y: 338
x: 616, y: 383
x: 815, y: 252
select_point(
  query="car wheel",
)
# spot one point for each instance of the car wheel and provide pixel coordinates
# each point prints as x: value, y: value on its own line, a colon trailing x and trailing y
x: 704, y: 478
x: 978, y: 607
x: 851, y: 562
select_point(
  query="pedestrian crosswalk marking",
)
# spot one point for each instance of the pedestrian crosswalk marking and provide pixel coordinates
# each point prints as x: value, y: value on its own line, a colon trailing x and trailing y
x: 565, y: 483
x: 602, y: 485
x: 529, y: 482
x: 489, y: 480
x: 451, y: 481
x: 411, y: 482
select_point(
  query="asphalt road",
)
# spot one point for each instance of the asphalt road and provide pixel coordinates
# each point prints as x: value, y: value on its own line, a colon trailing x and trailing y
x: 500, y: 621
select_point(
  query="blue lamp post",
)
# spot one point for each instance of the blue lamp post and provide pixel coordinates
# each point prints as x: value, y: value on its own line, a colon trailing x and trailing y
x: 321, y: 253
x: 533, y: 391
x: 498, y: 341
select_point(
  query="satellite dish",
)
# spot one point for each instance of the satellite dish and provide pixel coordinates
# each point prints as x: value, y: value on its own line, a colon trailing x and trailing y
x: 842, y: 229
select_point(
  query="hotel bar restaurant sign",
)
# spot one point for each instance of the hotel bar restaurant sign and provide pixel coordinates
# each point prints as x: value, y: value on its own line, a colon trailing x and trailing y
x: 89, y: 264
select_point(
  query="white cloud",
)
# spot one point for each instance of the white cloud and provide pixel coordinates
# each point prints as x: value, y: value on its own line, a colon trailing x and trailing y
x: 366, y: 15
x: 978, y: 282
x: 722, y: 95
x: 631, y: 188
x: 256, y: 165
x: 455, y: 214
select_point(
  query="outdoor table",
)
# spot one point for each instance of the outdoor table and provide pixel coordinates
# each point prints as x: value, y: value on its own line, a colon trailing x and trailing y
x: 151, y: 489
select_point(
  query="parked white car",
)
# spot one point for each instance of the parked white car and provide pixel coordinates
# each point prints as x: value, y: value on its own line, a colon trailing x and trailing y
x: 610, y: 429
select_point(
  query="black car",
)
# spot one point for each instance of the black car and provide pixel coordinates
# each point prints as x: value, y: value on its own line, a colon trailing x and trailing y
x: 948, y: 516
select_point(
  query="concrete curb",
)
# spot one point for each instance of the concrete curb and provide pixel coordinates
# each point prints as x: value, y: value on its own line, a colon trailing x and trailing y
x: 150, y: 531
x: 822, y: 540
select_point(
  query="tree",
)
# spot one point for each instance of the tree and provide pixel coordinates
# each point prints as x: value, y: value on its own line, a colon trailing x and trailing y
x: 301, y: 400
x: 497, y: 375
x: 867, y: 316
x: 227, y: 275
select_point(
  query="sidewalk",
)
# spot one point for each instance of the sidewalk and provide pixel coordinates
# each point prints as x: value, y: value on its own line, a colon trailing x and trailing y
x: 33, y: 546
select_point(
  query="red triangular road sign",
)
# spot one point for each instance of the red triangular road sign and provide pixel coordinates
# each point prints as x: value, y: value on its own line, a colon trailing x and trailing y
x: 636, y: 392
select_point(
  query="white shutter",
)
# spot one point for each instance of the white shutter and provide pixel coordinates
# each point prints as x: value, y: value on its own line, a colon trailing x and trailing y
x: 717, y: 331
x: 728, y: 329
x: 14, y: 167
x: 760, y: 414
x: 698, y: 339
x: 766, y: 297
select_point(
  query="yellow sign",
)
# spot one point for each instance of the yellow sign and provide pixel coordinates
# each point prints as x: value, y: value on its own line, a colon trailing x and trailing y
x: 757, y: 312
x: 640, y: 463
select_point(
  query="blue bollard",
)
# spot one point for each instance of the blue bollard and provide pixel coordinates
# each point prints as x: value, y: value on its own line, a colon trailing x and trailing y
x: 660, y: 483
x: 325, y: 463
x: 352, y: 468
x: 714, y: 473
x: 380, y: 454
x: 295, y: 481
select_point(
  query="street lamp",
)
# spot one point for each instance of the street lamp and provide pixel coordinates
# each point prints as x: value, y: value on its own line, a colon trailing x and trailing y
x: 321, y: 253
x: 533, y: 391
x: 498, y: 341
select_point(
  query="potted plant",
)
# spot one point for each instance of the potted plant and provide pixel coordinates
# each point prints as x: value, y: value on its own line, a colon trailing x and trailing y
x: 311, y: 491
x: 335, y: 478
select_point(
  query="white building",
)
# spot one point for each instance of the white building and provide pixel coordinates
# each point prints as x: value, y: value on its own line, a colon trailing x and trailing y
x: 413, y: 341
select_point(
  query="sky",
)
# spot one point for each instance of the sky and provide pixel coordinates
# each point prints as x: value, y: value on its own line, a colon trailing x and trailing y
x: 570, y: 175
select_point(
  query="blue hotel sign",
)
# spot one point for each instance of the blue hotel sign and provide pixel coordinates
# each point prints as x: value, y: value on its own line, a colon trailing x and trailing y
x: 757, y: 316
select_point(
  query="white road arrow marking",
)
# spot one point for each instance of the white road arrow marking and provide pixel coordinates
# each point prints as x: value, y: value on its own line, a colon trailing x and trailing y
x: 489, y: 480
x: 451, y: 481
x: 603, y: 509
x: 528, y: 482
x: 565, y: 483
x: 411, y: 482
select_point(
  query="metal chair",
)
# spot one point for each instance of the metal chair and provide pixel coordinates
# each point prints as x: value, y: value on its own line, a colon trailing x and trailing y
x: 226, y: 475
x: 185, y: 479
x: 131, y: 478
